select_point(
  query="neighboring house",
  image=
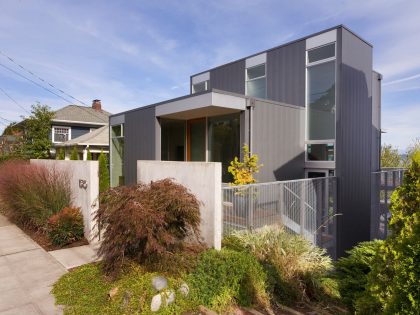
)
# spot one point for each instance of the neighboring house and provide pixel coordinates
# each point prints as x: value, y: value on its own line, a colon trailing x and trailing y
x: 82, y: 127
x: 8, y: 143
x: 308, y: 108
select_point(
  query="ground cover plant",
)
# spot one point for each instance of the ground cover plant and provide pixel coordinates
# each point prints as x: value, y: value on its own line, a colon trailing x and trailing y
x: 295, y: 267
x: 156, y: 220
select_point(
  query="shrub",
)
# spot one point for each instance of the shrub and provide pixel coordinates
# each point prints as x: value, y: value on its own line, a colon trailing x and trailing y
x: 103, y: 173
x: 88, y: 155
x: 31, y: 193
x: 352, y: 274
x: 66, y: 226
x: 243, y: 172
x: 293, y: 264
x: 74, y: 155
x: 226, y: 278
x: 60, y: 154
x: 145, y: 221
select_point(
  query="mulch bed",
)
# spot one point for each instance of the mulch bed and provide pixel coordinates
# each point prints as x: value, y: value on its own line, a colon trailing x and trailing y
x: 45, y: 243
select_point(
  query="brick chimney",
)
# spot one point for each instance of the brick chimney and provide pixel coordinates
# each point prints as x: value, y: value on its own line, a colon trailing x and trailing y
x: 96, y: 105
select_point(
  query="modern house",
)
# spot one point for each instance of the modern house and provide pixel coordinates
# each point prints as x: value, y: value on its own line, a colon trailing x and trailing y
x: 81, y: 127
x: 308, y: 108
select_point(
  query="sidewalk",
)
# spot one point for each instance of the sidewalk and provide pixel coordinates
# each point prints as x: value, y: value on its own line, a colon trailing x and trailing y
x: 27, y: 273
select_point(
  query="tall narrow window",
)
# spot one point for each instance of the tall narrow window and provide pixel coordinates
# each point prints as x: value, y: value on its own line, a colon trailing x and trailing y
x: 256, y: 81
x: 117, y: 155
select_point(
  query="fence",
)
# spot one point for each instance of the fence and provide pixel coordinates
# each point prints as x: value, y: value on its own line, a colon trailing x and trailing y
x: 383, y: 184
x: 306, y: 207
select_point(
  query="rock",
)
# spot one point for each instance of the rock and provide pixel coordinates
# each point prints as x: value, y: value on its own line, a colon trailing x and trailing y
x: 112, y: 293
x: 169, y: 296
x: 159, y: 283
x: 156, y: 303
x: 184, y: 289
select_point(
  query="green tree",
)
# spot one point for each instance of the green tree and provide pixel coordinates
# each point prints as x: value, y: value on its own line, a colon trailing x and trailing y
x: 411, y: 151
x: 74, y: 155
x: 88, y: 155
x: 12, y: 129
x: 103, y: 172
x: 394, y: 279
x: 60, y: 154
x: 390, y: 156
x: 37, y: 130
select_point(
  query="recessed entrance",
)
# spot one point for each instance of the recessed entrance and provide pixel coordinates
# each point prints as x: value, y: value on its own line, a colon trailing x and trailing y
x: 196, y: 139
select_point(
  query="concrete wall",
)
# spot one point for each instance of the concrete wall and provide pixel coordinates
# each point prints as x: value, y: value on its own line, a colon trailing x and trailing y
x: 85, y: 198
x: 203, y: 179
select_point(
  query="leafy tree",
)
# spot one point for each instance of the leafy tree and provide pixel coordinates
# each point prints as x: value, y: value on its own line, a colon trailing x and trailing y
x: 60, y: 154
x: 103, y: 173
x: 394, y: 279
x: 74, y: 155
x: 390, y: 156
x: 88, y: 155
x: 12, y: 129
x: 37, y: 130
x: 411, y: 151
x: 243, y: 172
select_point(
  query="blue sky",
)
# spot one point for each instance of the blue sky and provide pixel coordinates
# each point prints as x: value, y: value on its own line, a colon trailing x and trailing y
x: 133, y: 53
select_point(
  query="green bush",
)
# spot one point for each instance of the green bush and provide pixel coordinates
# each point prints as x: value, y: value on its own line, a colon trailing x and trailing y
x: 31, y: 193
x: 103, y: 173
x: 352, y: 274
x: 74, y: 155
x: 145, y: 222
x: 60, y: 154
x: 226, y: 278
x: 293, y: 264
x: 66, y: 226
x: 88, y: 155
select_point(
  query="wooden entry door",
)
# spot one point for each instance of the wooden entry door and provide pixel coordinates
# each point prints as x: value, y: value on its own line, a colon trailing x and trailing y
x: 196, y: 140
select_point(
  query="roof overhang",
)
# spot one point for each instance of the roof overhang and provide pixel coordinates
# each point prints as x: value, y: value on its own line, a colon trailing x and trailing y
x: 202, y: 105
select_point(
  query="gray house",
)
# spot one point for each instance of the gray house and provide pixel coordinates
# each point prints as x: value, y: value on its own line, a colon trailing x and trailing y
x: 308, y: 108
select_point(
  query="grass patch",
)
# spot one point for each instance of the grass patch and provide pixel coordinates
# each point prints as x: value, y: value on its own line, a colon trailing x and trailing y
x: 85, y: 291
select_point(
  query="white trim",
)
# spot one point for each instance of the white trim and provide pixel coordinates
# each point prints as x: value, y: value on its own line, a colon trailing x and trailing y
x: 80, y: 122
x: 200, y: 78
x: 61, y: 127
x: 256, y: 60
x: 321, y: 39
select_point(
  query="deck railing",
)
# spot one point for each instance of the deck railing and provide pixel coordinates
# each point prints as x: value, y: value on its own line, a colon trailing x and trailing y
x: 306, y: 207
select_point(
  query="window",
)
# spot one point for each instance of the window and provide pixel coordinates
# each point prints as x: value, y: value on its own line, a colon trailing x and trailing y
x: 256, y: 81
x: 117, y: 155
x: 61, y: 134
x: 320, y: 152
x: 201, y: 86
x: 321, y: 53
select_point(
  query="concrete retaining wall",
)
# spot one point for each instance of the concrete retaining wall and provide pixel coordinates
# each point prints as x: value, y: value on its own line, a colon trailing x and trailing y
x: 203, y: 179
x: 84, y: 184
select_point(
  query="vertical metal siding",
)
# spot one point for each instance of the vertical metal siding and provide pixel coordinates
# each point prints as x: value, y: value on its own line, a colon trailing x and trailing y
x: 286, y: 74
x: 353, y: 140
x: 277, y: 138
x: 139, y: 140
x: 229, y: 78
x: 376, y: 121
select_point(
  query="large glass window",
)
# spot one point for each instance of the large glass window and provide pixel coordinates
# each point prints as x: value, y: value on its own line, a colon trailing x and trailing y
x: 172, y: 140
x: 320, y: 152
x: 224, y: 141
x: 256, y: 81
x: 321, y: 101
x: 321, y: 53
x: 117, y: 155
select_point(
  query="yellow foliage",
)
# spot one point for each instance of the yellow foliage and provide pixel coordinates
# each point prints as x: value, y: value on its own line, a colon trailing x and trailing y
x: 243, y: 172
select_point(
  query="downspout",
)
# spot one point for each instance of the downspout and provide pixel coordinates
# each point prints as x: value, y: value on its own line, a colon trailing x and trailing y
x: 251, y: 109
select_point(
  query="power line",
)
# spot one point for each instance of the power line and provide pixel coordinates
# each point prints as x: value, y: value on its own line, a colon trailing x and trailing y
x: 6, y: 119
x: 41, y: 79
x: 14, y: 101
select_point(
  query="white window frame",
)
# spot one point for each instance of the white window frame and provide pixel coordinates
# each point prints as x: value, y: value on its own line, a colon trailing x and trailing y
x: 206, y: 86
x: 327, y: 141
x: 60, y: 127
x: 257, y: 78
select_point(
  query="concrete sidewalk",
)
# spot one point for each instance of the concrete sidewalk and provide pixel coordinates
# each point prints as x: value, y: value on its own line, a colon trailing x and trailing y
x: 27, y: 273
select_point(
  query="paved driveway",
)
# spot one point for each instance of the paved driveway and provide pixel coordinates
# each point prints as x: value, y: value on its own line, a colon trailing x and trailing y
x: 27, y: 273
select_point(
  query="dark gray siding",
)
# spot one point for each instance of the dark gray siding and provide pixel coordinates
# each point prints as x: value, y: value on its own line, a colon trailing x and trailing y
x: 278, y: 139
x: 230, y: 77
x: 353, y: 140
x: 139, y: 141
x: 286, y: 74
x: 79, y: 131
x: 376, y: 121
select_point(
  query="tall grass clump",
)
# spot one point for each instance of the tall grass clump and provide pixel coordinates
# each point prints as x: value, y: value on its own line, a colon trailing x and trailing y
x: 295, y: 266
x: 31, y: 194
x: 145, y: 222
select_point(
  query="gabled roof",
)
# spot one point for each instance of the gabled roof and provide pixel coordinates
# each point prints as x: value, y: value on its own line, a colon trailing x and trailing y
x: 82, y: 114
x: 98, y: 137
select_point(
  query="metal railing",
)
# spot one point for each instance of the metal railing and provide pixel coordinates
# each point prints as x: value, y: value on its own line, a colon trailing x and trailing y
x: 306, y: 207
x: 383, y: 185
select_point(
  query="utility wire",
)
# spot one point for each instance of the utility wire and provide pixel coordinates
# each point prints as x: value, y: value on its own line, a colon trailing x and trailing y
x: 14, y: 101
x: 6, y: 119
x: 41, y: 79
